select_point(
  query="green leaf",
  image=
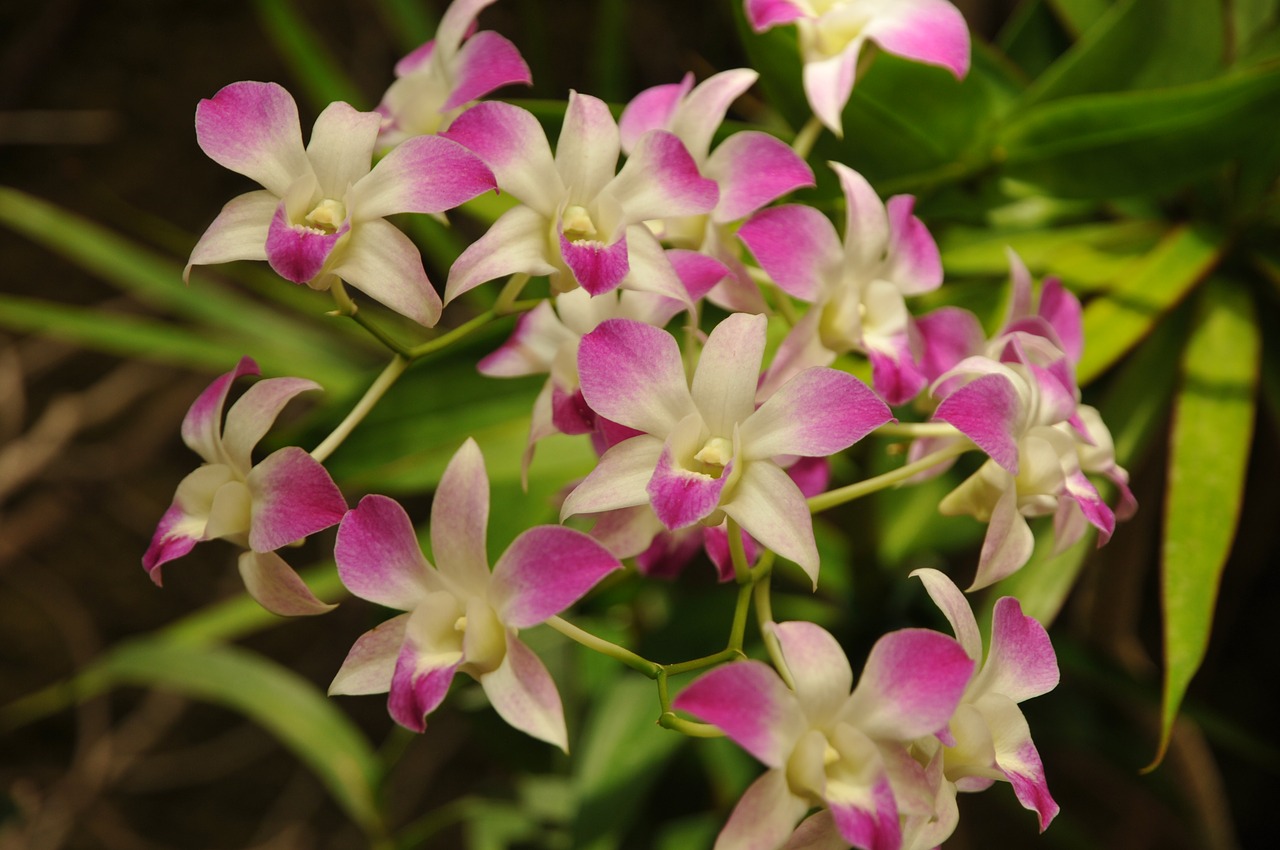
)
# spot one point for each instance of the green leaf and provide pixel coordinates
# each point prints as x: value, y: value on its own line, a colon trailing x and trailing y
x: 1252, y: 21
x: 609, y: 51
x: 622, y: 751
x: 274, y: 697
x: 1079, y: 15
x: 1032, y: 37
x: 410, y: 22
x: 318, y: 74
x: 1116, y: 321
x: 1135, y: 44
x: 1141, y: 143
x: 1208, y: 457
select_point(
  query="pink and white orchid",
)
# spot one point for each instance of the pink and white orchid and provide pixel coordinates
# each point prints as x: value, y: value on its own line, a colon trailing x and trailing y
x: 705, y: 451
x: 437, y: 81
x: 460, y: 616
x: 261, y: 507
x: 580, y: 220
x: 826, y: 747
x: 857, y: 288
x: 833, y: 32
x: 990, y: 736
x: 751, y: 169
x: 321, y: 213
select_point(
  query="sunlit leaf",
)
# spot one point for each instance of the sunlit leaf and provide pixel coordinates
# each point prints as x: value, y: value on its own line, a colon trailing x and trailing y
x: 1212, y: 433
x: 1118, y: 320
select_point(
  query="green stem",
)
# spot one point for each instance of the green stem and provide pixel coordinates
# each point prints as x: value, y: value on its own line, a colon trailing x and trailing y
x: 738, y: 632
x: 764, y: 616
x: 741, y: 569
x: 347, y: 307
x: 669, y: 720
x: 859, y: 489
x: 510, y: 292
x: 727, y: 654
x: 604, y: 647
x: 916, y: 430
x: 371, y: 397
x: 803, y: 144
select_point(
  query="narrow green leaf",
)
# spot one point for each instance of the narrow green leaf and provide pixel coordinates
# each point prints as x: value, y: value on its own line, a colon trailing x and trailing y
x: 1033, y: 37
x: 410, y: 22
x: 1134, y: 44
x: 317, y: 73
x: 1079, y: 15
x: 1116, y: 321
x: 608, y: 50
x: 1141, y: 143
x: 620, y: 756
x: 1208, y: 457
x: 274, y: 697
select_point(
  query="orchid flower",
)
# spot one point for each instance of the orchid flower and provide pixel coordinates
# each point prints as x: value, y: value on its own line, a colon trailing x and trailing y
x: 261, y: 507
x: 578, y: 221
x: 857, y: 288
x: 751, y: 169
x: 460, y: 616
x: 832, y: 33
x: 705, y: 451
x: 438, y: 80
x: 827, y: 747
x: 991, y: 739
x: 321, y: 213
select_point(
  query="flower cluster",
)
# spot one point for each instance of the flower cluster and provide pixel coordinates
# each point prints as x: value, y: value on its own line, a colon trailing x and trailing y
x: 707, y: 436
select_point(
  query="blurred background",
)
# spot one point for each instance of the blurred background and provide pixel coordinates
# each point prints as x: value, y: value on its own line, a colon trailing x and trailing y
x: 102, y: 349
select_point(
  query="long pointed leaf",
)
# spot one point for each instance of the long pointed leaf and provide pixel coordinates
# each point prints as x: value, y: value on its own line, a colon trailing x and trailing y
x: 1208, y: 457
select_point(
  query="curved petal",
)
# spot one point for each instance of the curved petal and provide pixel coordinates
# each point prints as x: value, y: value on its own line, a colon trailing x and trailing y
x: 252, y: 415
x: 930, y: 31
x: 817, y: 413
x: 987, y: 410
x: 458, y: 20
x: 752, y: 170
x: 955, y: 607
x: 384, y: 264
x: 764, y: 14
x: 1061, y: 309
x: 378, y: 555
x: 828, y: 84
x: 724, y: 385
x: 702, y: 112
x: 819, y: 668
x: 275, y: 586
x: 1021, y: 663
x: 765, y: 815
x: 511, y: 142
x: 651, y: 110
x: 598, y: 268
x: 523, y: 693
x: 293, y: 496
x: 371, y: 662
x: 795, y: 245
x: 341, y: 147
x: 698, y: 273
x: 619, y: 479
x: 544, y: 571
x: 515, y: 243
x: 538, y: 336
x: 174, y: 537
x: 910, y: 685
x: 948, y: 335
x: 866, y: 223
x: 419, y: 683
x: 681, y: 497
x: 252, y: 128
x: 661, y: 180
x: 871, y: 820
x: 298, y: 253
x: 202, y: 426
x: 486, y: 62
x: 749, y: 703
x: 914, y: 263
x: 769, y: 507
x: 1007, y: 545
x: 1017, y: 757
x: 801, y: 349
x: 238, y: 233
x: 650, y: 270
x: 423, y: 174
x: 460, y: 520
x: 632, y: 374
x: 588, y: 147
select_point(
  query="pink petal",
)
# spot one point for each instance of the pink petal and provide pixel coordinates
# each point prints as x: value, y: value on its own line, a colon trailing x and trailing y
x: 1021, y: 663
x: 371, y: 662
x: 914, y: 262
x: 384, y: 264
x: 680, y: 497
x: 511, y: 142
x: 202, y: 426
x: 341, y: 147
x: 487, y: 61
x: 651, y: 110
x: 828, y: 84
x: 252, y: 128
x: 754, y: 169
x: 588, y: 147
x: 697, y: 272
x: 418, y: 685
x: 544, y: 571
x: 801, y: 349
x: 598, y: 268
x: 1081, y: 490
x: 423, y: 174
x: 516, y: 243
x: 765, y: 815
x: 275, y: 586
x: 660, y: 180
x: 724, y: 385
x: 523, y: 693
x: 619, y: 479
x: 894, y: 372
x: 796, y: 245
x: 415, y: 59
x: 749, y: 703
x: 715, y: 542
x: 817, y: 413
x: 702, y: 112
x: 253, y: 414
x: 769, y: 507
x: 955, y: 607
x: 650, y: 269
x: 460, y: 519
x: 986, y: 411
x: 631, y: 373
x: 458, y: 21
x: 910, y: 686
x: 1017, y: 757
x: 948, y: 335
x: 532, y: 346
x: 297, y: 253
x: 168, y: 542
x: 238, y: 233
x: 866, y: 224
x: 1007, y: 545
x: 764, y: 14
x: 378, y: 555
x: 1061, y: 309
x: 818, y: 666
x: 930, y: 31
x: 293, y: 497
x: 874, y: 827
